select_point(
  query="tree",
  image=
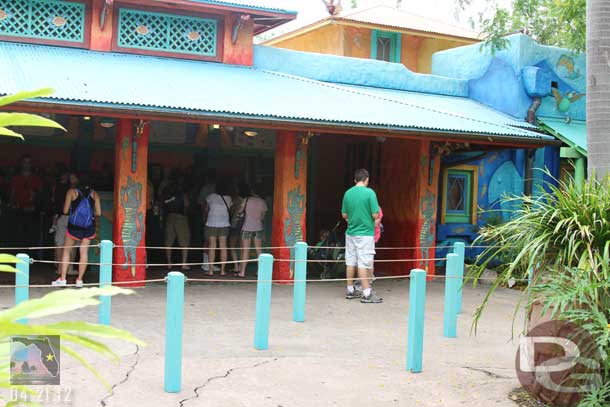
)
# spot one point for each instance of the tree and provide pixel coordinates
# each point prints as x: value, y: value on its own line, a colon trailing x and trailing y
x: 598, y: 87
x: 23, y: 119
x: 551, y: 22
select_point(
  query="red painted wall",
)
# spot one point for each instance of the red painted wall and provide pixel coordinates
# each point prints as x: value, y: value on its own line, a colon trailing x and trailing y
x: 242, y: 52
x: 101, y: 39
x: 130, y: 204
x: 289, y: 199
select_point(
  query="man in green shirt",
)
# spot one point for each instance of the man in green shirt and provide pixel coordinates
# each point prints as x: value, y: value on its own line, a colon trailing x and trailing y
x: 361, y: 211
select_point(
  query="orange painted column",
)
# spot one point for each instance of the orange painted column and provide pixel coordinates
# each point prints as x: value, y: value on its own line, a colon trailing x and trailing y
x: 130, y: 182
x: 425, y: 237
x: 102, y: 12
x: 289, y: 198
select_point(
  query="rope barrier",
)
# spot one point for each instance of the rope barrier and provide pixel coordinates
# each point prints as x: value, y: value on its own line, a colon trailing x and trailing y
x: 343, y: 261
x: 241, y: 248
x: 253, y: 281
x: 32, y: 261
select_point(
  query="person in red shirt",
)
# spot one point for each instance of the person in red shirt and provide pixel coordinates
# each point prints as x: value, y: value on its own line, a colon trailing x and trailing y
x: 25, y: 188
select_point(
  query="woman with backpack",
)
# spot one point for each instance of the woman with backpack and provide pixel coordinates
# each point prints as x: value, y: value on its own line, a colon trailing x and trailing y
x: 82, y: 206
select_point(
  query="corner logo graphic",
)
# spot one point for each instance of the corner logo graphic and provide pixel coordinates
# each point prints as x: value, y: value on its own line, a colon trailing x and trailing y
x: 558, y: 362
x: 35, y: 360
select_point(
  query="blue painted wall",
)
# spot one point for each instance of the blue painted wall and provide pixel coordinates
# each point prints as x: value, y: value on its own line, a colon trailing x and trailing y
x: 490, y: 76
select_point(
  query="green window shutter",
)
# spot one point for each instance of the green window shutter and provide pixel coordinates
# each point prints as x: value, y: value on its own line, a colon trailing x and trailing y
x: 458, y: 196
x: 373, y: 44
x: 397, y: 46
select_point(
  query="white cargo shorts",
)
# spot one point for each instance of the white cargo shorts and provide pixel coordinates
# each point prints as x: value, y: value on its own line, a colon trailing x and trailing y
x: 360, y: 251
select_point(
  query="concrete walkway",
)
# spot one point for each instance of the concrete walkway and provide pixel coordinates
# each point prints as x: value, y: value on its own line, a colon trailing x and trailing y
x: 345, y: 354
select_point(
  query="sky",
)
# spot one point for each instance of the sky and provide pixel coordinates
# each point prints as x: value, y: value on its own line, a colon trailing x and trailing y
x: 444, y: 10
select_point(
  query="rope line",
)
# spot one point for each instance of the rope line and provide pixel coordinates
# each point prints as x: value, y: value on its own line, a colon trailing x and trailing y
x: 145, y: 264
x: 376, y: 261
x: 241, y: 248
x: 250, y: 281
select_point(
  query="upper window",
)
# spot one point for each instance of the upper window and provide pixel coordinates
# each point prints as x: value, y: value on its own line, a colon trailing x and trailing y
x: 385, y: 46
x: 167, y: 33
x: 50, y: 20
x: 459, y: 198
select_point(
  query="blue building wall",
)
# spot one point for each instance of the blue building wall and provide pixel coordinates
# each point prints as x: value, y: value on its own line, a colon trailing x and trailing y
x: 509, y: 81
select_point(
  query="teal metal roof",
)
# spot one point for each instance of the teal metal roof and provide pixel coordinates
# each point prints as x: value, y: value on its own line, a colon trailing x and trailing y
x: 272, y: 6
x: 573, y: 134
x: 174, y: 86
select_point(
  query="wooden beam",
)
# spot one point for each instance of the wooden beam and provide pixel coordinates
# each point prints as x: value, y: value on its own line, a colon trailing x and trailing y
x: 569, y: 152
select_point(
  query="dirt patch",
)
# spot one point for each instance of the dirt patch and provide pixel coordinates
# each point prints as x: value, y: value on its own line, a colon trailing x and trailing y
x: 523, y: 399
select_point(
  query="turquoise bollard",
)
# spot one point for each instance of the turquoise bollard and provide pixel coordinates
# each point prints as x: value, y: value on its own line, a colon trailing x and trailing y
x: 22, y: 281
x: 104, y: 309
x: 415, y: 334
x: 263, y: 302
x: 173, y: 332
x: 300, y: 285
x: 459, y: 248
x: 452, y: 286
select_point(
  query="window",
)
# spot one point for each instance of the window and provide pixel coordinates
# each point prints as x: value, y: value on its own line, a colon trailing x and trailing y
x: 459, y: 197
x: 51, y: 20
x: 385, y: 46
x: 167, y: 33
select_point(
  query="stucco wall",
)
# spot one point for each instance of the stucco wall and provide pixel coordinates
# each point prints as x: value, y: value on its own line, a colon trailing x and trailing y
x: 325, y: 40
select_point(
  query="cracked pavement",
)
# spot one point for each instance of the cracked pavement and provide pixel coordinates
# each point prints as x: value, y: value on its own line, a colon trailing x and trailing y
x: 344, y: 354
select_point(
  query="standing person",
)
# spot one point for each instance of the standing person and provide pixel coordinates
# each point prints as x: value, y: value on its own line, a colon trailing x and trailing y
x: 82, y: 205
x: 176, y: 203
x: 240, y: 199
x: 60, y: 221
x: 361, y: 211
x: 25, y: 188
x: 217, y: 226
x: 255, y: 209
x: 208, y: 188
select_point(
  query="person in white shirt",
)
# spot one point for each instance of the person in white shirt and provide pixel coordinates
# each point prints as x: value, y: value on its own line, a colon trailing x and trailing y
x: 217, y: 226
x: 255, y: 209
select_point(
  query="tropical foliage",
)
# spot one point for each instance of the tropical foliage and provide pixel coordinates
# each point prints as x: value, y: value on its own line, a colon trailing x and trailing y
x: 23, y: 119
x: 551, y: 22
x: 564, y: 237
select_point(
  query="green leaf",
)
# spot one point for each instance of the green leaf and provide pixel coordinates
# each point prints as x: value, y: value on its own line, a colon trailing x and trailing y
x: 26, y: 119
x: 9, y: 258
x: 9, y: 133
x: 8, y: 269
x: 96, y: 330
x: 17, y: 97
x: 59, y: 302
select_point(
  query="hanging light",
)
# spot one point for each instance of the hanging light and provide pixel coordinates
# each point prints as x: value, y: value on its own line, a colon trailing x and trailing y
x: 250, y: 133
x: 216, y: 126
x: 86, y: 117
x: 107, y: 123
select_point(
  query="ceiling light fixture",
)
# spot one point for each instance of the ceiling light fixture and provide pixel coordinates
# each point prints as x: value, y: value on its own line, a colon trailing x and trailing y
x: 250, y: 133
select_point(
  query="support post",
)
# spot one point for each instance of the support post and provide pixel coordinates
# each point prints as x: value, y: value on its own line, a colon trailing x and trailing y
x: 130, y: 184
x: 579, y: 172
x: 22, y: 281
x: 105, y: 280
x: 459, y: 248
x: 415, y: 334
x: 300, y: 285
x: 452, y: 282
x: 263, y: 302
x: 173, y: 332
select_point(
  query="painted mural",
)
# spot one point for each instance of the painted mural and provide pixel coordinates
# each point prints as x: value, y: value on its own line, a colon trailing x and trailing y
x: 293, y: 228
x: 133, y: 225
x: 426, y: 233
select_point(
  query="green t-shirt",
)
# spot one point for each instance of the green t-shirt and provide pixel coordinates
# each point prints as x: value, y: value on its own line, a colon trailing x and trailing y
x: 360, y: 203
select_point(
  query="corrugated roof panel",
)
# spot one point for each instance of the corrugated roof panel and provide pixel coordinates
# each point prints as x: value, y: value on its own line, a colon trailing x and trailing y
x: 573, y: 134
x: 391, y: 17
x: 210, y: 88
x: 277, y: 6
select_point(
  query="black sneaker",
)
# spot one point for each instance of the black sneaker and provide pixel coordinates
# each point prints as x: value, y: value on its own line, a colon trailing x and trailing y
x: 371, y: 299
x: 353, y: 295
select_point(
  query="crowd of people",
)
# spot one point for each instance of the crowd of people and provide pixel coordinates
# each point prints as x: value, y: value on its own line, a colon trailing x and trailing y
x: 58, y: 207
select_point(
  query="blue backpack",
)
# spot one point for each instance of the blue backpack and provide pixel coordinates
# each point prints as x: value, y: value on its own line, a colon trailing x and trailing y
x: 82, y: 215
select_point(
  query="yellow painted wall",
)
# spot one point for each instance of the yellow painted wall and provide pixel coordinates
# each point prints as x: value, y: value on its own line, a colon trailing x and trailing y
x: 428, y: 47
x: 325, y: 40
x: 335, y: 39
